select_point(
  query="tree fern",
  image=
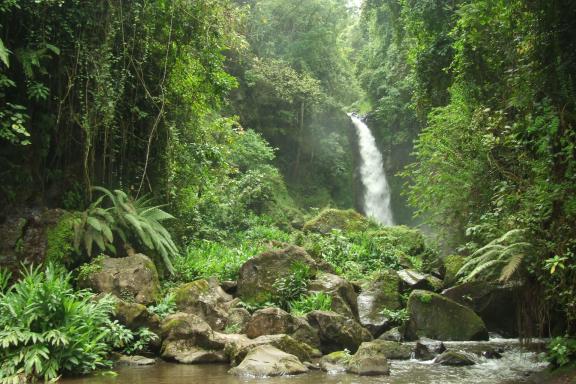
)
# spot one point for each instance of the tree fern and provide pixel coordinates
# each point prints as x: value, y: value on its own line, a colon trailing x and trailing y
x: 135, y: 221
x: 499, y: 259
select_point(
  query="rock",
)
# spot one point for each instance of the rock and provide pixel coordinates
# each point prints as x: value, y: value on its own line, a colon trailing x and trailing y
x: 437, y: 317
x: 204, y: 298
x: 451, y: 264
x: 33, y: 236
x: 266, y: 361
x: 229, y: 286
x: 132, y: 278
x: 335, y: 362
x: 370, y: 359
x: 427, y: 349
x: 390, y: 349
x: 393, y: 334
x: 496, y: 304
x: 342, y: 292
x: 337, y: 332
x: 344, y: 220
x: 380, y: 293
x: 189, y: 339
x: 455, y: 358
x: 272, y: 321
x: 258, y: 274
x: 411, y: 279
x: 237, y: 320
x: 134, y: 360
x: 312, y: 366
x: 135, y: 316
x: 236, y: 349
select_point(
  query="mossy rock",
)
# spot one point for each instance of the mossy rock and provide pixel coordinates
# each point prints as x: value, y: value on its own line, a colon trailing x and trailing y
x: 335, y: 362
x: 451, y: 264
x: 383, y: 292
x: 257, y: 275
x: 436, y: 317
x: 60, y: 241
x: 237, y: 349
x: 390, y: 349
x: 344, y: 220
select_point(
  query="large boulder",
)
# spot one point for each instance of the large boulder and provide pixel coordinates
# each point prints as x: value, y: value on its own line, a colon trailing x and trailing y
x: 132, y: 278
x: 237, y: 320
x: 189, y: 339
x: 342, y: 292
x: 369, y: 360
x: 496, y: 304
x: 390, y: 349
x: 337, y: 332
x: 378, y: 294
x: 135, y: 316
x: 266, y: 361
x: 238, y: 346
x: 204, y: 298
x: 335, y: 362
x: 258, y: 275
x: 437, y: 317
x: 411, y: 279
x: 273, y: 321
x: 344, y: 220
x: 393, y: 334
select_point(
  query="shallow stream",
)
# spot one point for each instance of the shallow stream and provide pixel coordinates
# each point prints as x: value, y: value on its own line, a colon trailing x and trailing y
x: 513, y: 368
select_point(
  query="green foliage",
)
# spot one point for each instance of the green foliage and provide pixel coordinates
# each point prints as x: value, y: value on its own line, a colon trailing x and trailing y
x: 165, y: 306
x: 47, y: 329
x: 135, y: 221
x: 5, y: 276
x: 94, y: 266
x: 561, y: 351
x: 308, y: 303
x: 357, y: 254
x: 396, y: 317
x: 503, y: 256
x: 425, y: 298
x: 291, y: 288
x: 60, y: 241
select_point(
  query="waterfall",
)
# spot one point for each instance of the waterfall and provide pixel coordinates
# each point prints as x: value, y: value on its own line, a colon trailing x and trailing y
x: 376, y: 189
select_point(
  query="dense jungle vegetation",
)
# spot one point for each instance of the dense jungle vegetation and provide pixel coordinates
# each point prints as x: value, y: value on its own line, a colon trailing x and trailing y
x: 202, y: 133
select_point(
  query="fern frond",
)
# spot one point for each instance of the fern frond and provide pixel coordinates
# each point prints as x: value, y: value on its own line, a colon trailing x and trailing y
x: 513, y: 265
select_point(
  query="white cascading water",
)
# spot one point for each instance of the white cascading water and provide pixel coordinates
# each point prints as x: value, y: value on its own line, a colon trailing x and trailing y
x: 376, y: 189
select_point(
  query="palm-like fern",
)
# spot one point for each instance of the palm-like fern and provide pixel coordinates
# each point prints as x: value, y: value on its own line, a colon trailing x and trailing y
x: 501, y: 257
x: 129, y: 219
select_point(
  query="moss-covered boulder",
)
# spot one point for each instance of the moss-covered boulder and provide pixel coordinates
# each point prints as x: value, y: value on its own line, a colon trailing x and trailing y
x: 267, y: 361
x: 411, y: 279
x: 272, y: 321
x: 206, y: 299
x: 437, y: 317
x: 238, y: 346
x: 135, y: 316
x: 133, y: 278
x: 496, y: 304
x: 391, y: 349
x: 370, y: 360
x: 337, y: 332
x: 344, y: 220
x: 451, y: 264
x: 258, y: 275
x: 383, y: 292
x: 188, y: 339
x: 335, y: 362
x: 344, y: 297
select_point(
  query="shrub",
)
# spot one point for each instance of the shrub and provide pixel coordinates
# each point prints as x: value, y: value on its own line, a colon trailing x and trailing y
x: 314, y: 301
x: 396, y: 317
x: 561, y: 351
x: 135, y: 221
x: 164, y: 307
x: 291, y: 288
x: 48, y: 329
x: 60, y: 241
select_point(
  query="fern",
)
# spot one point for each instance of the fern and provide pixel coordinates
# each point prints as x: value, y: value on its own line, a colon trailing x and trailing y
x: 130, y: 219
x: 499, y: 259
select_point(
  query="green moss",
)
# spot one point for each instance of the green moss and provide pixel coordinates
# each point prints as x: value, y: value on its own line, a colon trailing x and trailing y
x: 60, y: 241
x: 191, y: 290
x: 344, y: 220
x: 425, y: 298
x: 452, y: 264
x: 88, y: 269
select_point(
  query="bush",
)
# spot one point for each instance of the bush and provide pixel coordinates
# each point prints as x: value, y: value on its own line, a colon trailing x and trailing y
x: 312, y: 302
x: 47, y: 329
x: 561, y: 351
x: 291, y: 288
